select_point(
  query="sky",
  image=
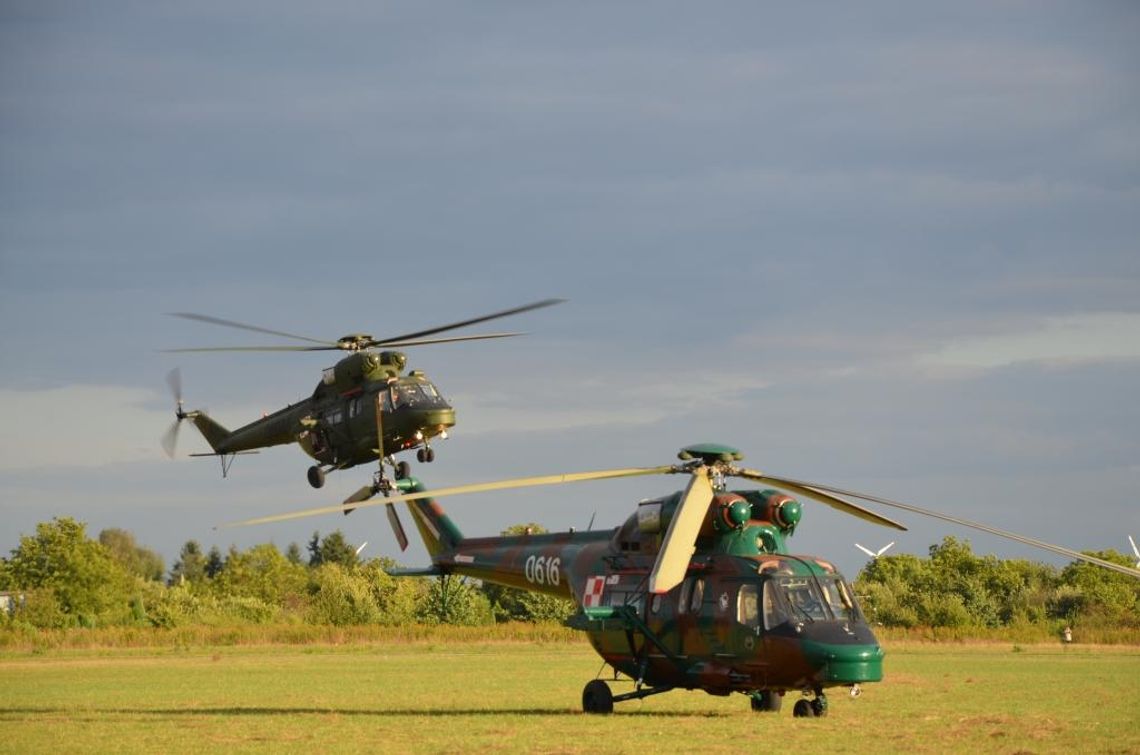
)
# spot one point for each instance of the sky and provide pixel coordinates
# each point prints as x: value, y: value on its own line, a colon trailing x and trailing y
x: 889, y: 247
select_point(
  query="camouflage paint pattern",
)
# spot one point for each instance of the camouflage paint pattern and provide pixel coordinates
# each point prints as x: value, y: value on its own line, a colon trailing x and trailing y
x: 729, y: 626
x: 337, y: 424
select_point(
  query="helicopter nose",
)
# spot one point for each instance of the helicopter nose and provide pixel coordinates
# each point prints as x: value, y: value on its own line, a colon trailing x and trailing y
x: 436, y: 418
x: 843, y: 654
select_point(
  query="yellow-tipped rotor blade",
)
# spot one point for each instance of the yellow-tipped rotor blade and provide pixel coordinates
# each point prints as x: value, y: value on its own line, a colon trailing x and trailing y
x: 827, y: 499
x: 482, y: 487
x: 681, y: 537
x: 1058, y: 549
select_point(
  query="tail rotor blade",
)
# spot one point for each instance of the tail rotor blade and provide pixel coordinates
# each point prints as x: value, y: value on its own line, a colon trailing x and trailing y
x: 170, y: 439
x: 174, y: 380
x: 397, y: 527
x: 681, y: 537
x: 359, y: 496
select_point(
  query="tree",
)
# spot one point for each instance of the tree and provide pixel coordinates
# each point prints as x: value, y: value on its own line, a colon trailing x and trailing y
x: 79, y: 576
x: 190, y: 568
x: 214, y: 562
x: 332, y: 549
x: 1099, y: 594
x: 263, y: 573
x: 293, y: 553
x: 454, y: 600
x: 513, y: 604
x: 137, y: 560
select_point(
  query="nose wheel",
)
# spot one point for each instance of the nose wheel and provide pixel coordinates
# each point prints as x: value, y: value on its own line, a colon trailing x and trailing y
x: 316, y: 476
x: 816, y: 708
x: 425, y: 455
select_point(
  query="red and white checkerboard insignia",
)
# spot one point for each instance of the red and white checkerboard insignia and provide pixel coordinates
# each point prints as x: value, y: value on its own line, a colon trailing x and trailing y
x: 593, y: 595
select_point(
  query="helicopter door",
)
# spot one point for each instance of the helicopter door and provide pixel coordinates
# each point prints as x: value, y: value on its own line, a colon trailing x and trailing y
x: 690, y: 597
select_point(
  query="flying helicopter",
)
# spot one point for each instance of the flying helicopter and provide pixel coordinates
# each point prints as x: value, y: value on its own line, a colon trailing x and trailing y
x: 697, y: 590
x: 364, y: 408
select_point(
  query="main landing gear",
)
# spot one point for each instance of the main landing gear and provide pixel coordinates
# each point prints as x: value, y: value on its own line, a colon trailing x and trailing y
x: 316, y: 473
x: 767, y: 701
x: 597, y: 697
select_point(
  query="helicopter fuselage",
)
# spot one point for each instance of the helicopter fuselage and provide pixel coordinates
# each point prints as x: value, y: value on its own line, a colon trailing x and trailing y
x: 747, y: 617
x: 339, y: 425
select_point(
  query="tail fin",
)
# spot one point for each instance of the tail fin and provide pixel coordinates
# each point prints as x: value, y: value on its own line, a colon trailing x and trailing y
x: 214, y: 433
x: 439, y: 533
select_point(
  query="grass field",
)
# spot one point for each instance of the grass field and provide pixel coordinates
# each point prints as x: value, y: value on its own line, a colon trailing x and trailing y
x: 518, y: 696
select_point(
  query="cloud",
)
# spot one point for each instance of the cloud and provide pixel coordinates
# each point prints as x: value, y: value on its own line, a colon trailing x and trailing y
x: 1082, y: 338
x: 86, y: 426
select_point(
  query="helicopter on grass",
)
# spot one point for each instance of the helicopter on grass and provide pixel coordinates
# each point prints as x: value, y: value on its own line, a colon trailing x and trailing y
x: 697, y: 590
x: 364, y: 408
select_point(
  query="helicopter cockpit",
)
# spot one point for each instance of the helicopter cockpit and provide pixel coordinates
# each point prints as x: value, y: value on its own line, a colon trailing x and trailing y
x: 415, y: 393
x: 796, y: 600
x: 808, y: 599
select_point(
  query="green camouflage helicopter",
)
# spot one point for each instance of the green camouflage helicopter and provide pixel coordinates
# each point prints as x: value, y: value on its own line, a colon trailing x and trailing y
x: 696, y: 590
x: 365, y: 407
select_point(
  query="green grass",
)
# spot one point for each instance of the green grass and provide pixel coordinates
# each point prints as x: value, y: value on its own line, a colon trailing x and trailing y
x: 451, y: 695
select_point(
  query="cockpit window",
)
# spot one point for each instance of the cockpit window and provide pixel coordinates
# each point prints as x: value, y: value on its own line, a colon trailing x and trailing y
x: 748, y: 606
x: 416, y: 393
x: 803, y: 600
x: 839, y: 599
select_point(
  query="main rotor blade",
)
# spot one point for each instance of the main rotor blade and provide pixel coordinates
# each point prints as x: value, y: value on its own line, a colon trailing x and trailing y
x: 244, y: 326
x: 252, y: 348
x: 800, y: 488
x: 453, y: 339
x: 1058, y: 549
x: 464, y: 323
x: 519, y: 482
x: 681, y: 537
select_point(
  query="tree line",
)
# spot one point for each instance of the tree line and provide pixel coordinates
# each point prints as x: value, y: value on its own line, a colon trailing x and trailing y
x: 954, y: 587
x: 60, y: 577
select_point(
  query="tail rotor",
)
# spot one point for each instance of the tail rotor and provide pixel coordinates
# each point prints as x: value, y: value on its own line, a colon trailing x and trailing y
x: 170, y: 439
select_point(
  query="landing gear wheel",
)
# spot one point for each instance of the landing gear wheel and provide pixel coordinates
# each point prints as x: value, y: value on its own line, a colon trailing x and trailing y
x: 316, y: 476
x: 803, y: 709
x: 429, y: 455
x: 403, y: 470
x: 767, y: 701
x: 597, y: 698
x: 421, y: 457
x: 819, y: 706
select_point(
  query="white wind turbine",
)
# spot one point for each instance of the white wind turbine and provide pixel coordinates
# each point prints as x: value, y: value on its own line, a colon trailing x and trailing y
x: 1135, y: 550
x: 882, y: 550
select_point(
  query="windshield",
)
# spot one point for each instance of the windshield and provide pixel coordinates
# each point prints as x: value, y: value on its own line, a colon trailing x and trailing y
x: 801, y: 600
x: 416, y: 393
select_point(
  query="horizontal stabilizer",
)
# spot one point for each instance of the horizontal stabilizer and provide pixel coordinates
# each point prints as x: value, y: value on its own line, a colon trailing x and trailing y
x: 423, y: 571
